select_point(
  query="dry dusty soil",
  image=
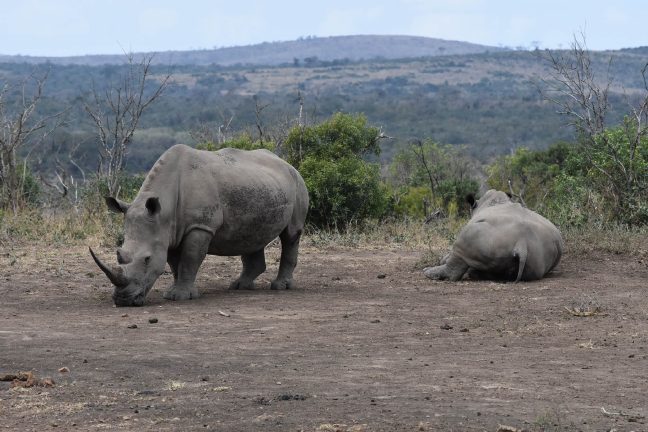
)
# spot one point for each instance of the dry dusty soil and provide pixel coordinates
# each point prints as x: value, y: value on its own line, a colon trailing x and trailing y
x: 365, y: 343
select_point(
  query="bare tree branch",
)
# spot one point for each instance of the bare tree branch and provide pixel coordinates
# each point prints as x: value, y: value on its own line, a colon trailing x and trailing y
x: 419, y: 152
x: 117, y: 113
x: 381, y: 135
x: 20, y: 126
x: 583, y: 98
x: 258, y: 109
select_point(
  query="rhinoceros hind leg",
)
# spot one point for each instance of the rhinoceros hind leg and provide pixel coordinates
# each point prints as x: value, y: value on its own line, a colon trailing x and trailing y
x: 453, y: 269
x: 436, y: 273
x: 289, y: 252
x: 253, y: 265
x: 185, y: 263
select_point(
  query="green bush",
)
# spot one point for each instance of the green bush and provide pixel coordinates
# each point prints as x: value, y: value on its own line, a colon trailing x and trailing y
x: 530, y: 172
x: 574, y: 184
x: 27, y: 188
x: 452, y: 193
x: 343, y: 187
x: 341, y: 136
x: 408, y: 201
x: 442, y: 175
x: 343, y: 190
x: 571, y: 202
x: 31, y: 187
x: 616, y: 166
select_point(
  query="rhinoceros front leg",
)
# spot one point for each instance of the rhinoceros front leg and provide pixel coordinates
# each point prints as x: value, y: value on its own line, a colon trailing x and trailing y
x: 185, y: 263
x: 253, y: 265
x: 289, y: 252
x: 453, y: 269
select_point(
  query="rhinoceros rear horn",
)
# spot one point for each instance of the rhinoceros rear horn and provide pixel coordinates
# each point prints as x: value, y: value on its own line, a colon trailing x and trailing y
x: 116, y: 274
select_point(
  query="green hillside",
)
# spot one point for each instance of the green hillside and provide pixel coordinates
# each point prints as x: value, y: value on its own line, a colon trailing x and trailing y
x: 304, y: 50
x: 487, y: 101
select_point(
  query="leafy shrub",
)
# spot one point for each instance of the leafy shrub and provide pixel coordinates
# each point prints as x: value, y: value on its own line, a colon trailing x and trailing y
x: 26, y: 190
x: 343, y: 187
x: 570, y: 201
x: 343, y: 190
x: 616, y: 166
x: 341, y: 136
x: 530, y: 172
x: 576, y: 185
x: 441, y: 175
x: 408, y: 201
x: 452, y: 194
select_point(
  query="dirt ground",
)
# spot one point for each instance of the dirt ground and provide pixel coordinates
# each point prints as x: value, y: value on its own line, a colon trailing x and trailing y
x: 365, y: 343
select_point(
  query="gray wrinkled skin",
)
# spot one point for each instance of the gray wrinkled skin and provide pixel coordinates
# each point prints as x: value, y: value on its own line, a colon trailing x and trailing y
x: 502, y: 240
x: 193, y: 203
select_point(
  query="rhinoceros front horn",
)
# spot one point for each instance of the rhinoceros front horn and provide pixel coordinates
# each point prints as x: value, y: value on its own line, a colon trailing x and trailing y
x: 116, y: 274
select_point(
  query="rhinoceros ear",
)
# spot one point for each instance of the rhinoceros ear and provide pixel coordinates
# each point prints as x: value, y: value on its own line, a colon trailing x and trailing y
x: 116, y: 205
x: 470, y: 199
x: 153, y: 205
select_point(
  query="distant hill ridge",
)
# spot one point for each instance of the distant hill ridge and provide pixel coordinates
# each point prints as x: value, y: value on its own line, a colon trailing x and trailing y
x: 361, y: 47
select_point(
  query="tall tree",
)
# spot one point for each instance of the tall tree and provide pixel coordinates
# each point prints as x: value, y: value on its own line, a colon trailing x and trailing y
x: 116, y: 111
x: 20, y: 125
x: 343, y: 187
x: 582, y: 96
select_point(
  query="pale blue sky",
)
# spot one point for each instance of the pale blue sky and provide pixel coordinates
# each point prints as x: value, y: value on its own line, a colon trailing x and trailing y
x: 75, y: 27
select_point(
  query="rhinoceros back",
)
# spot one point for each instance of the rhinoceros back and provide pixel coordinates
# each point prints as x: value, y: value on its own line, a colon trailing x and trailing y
x: 244, y: 198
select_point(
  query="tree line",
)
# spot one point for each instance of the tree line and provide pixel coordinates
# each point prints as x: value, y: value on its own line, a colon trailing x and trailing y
x: 602, y: 176
x: 491, y: 114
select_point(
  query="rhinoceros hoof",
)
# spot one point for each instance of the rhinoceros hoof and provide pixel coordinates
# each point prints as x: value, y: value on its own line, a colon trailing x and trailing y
x: 436, y: 273
x: 176, y: 294
x: 238, y: 284
x: 281, y: 284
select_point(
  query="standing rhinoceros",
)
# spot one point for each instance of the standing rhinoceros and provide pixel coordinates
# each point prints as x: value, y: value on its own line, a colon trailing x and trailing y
x: 194, y: 203
x: 501, y: 240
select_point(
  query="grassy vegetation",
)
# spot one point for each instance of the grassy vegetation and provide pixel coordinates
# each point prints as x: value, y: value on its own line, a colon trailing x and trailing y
x: 488, y: 102
x: 59, y: 229
x: 462, y: 110
x: 59, y: 221
x: 607, y: 239
x: 432, y: 240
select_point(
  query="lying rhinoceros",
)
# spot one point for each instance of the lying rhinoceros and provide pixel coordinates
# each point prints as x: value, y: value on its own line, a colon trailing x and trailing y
x: 194, y: 203
x: 502, y: 240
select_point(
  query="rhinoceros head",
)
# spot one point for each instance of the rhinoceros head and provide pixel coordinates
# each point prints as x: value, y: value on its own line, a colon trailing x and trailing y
x: 490, y: 198
x: 142, y: 257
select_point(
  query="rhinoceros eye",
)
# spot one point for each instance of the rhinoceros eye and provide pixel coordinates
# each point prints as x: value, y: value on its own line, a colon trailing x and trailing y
x: 147, y: 260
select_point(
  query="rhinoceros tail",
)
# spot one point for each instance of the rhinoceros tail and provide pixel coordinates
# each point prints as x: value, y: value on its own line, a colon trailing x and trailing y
x: 520, y: 252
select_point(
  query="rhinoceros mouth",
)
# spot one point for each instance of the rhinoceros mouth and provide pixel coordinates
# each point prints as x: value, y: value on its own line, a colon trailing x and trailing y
x: 115, y: 274
x: 121, y: 301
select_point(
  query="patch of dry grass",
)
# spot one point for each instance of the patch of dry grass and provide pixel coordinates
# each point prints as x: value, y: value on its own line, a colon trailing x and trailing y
x: 403, y: 234
x: 68, y: 228
x: 619, y: 240
x: 434, y: 239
